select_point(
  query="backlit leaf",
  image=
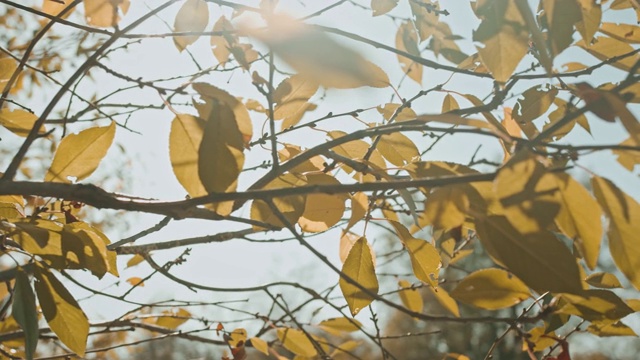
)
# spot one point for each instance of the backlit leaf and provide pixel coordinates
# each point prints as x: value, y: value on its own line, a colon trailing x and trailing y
x: 491, y: 289
x: 25, y: 313
x: 193, y: 16
x: 135, y: 260
x: 424, y: 20
x: 220, y: 156
x: 628, y: 159
x: 19, y: 121
x: 623, y: 212
x: 398, y: 149
x: 104, y: 13
x: 289, y: 151
x: 580, y: 217
x: 292, y: 207
x: 449, y: 103
x: 220, y: 44
x: 595, y: 305
x: 296, y: 341
x: 359, y: 207
x: 407, y: 41
x: 62, y: 312
x: 529, y: 198
x: 388, y: 110
x: 136, y: 281
x: 591, y: 14
x: 184, y: 143
x: 603, y: 280
x: 605, y: 48
x: 360, y: 268
x: 260, y: 345
x: 410, y: 297
x: 446, y: 207
x: 381, y: 7
x: 615, y: 329
x: 534, y: 103
x: 425, y: 260
x: 78, y: 155
x: 321, y: 211
x: 624, y: 32
x: 341, y: 325
x: 445, y: 300
x: 318, y: 57
x: 292, y: 99
x: 173, y: 319
x: 560, y: 16
x: 237, y: 337
x: 539, y: 259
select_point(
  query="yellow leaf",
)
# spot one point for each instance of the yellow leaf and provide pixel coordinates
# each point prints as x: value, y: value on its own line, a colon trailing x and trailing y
x: 237, y: 337
x: 445, y: 300
x: 193, y: 16
x: 410, y: 297
x: 623, y: 32
x: 627, y: 158
x: 289, y: 151
x: 296, y: 341
x: 388, y: 110
x: 359, y: 208
x: 19, y: 122
x: 347, y: 240
x: 220, y: 44
x: 407, y: 41
x: 295, y: 118
x: 615, y: 329
x: 24, y: 311
x: 590, y: 22
x: 54, y: 8
x: 211, y: 94
x: 449, y: 103
x: 446, y: 207
x: 425, y: 260
x: 561, y: 15
x: 319, y: 58
x: 355, y: 150
x: 9, y: 210
x: 539, y: 259
x: 424, y: 20
x: 104, y: 13
x: 260, y: 345
x: 491, y: 289
x: 184, y: 142
x: 360, y: 268
x: 580, y: 217
x: 136, y: 281
x: 398, y: 149
x: 595, y: 305
x: 62, y: 312
x: 605, y: 48
x: 338, y: 326
x: 292, y: 96
x: 346, y: 347
x: 623, y: 212
x: 78, y: 155
x: 381, y: 7
x: 135, y: 260
x: 321, y: 211
x: 534, y: 103
x: 529, y: 198
x: 292, y: 207
x: 603, y: 280
x: 502, y: 53
x: 220, y: 156
x: 539, y: 338
x: 173, y: 319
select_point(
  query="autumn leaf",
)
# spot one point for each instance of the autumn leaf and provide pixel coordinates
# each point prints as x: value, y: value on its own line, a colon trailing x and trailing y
x: 296, y: 341
x: 193, y: 16
x: 491, y: 289
x: 79, y: 155
x: 360, y: 268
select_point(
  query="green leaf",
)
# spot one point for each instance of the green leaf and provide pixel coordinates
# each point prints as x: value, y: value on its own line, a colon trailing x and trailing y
x: 79, y: 155
x: 62, y: 312
x: 539, y: 259
x: 296, y: 341
x: 623, y: 212
x: 193, y: 16
x: 220, y: 156
x: 25, y: 313
x: 410, y: 297
x: 491, y: 289
x: 360, y: 268
x: 19, y: 121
